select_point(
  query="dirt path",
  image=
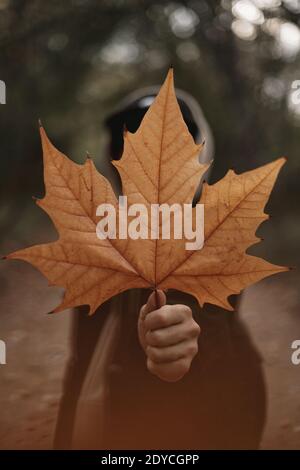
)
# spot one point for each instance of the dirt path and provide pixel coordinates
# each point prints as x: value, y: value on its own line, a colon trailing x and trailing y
x: 272, y: 311
x: 37, y: 349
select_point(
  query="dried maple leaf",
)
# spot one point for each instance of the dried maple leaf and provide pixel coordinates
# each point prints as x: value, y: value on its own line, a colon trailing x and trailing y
x: 159, y: 165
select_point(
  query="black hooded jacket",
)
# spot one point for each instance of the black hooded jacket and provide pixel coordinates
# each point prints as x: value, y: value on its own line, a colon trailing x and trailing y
x: 116, y: 403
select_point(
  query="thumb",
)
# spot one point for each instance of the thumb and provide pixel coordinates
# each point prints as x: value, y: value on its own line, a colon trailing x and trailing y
x: 155, y: 300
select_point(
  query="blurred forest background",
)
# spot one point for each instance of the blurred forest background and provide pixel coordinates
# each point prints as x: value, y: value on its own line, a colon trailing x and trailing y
x: 69, y: 63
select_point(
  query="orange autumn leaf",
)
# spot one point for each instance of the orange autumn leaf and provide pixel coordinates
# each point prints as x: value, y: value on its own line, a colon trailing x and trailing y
x: 159, y: 165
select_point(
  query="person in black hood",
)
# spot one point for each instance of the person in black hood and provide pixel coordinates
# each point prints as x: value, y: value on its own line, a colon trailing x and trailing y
x: 118, y: 396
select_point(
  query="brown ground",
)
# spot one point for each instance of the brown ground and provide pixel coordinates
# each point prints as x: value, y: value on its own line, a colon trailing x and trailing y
x: 37, y: 348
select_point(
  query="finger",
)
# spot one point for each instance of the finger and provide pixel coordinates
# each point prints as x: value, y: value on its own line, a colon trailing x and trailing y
x: 160, y: 298
x: 169, y: 354
x: 156, y: 296
x: 172, y: 334
x: 165, y: 316
x: 169, y: 372
x: 142, y: 312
